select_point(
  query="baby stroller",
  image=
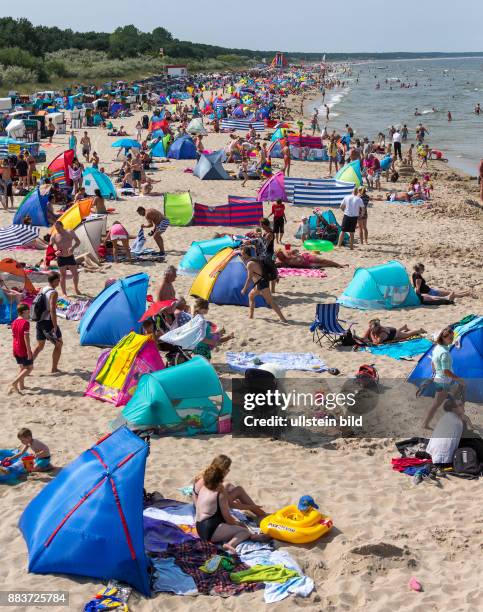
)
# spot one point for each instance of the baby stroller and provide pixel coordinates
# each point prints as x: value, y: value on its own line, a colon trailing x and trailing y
x: 182, y: 341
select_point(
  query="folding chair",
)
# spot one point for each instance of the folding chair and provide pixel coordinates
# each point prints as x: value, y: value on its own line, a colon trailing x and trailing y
x: 326, y: 324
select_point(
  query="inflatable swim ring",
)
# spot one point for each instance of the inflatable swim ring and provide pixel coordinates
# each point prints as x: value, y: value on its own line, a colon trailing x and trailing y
x: 291, y: 525
x: 318, y: 245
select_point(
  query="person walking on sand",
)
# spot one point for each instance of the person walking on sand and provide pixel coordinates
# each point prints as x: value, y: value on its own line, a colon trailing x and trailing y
x: 444, y: 379
x: 22, y: 350
x: 279, y: 219
x: 286, y: 158
x: 64, y: 243
x: 73, y: 142
x: 261, y: 284
x: 158, y: 222
x: 50, y: 129
x: 480, y: 179
x: 46, y: 326
x: 396, y: 140
x: 353, y: 206
x: 86, y: 146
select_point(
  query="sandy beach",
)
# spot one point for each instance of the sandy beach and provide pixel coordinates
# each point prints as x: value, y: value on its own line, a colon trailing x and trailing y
x: 385, y: 529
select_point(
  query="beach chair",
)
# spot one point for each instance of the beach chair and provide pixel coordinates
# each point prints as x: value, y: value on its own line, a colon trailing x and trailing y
x: 326, y: 324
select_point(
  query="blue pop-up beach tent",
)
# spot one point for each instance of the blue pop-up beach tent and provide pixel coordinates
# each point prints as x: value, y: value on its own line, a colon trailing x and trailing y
x: 34, y: 206
x: 115, y: 312
x: 182, y: 148
x: 88, y: 521
x: 386, y: 286
x: 467, y: 356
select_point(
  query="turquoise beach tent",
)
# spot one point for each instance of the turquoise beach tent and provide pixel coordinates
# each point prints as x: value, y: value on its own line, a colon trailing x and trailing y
x: 160, y: 148
x: 198, y: 253
x: 88, y: 520
x: 115, y: 312
x: 350, y: 173
x: 93, y: 179
x: 186, y: 399
x: 381, y: 287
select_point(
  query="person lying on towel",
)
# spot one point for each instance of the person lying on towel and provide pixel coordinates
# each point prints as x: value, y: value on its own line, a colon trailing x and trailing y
x: 380, y: 334
x: 293, y: 258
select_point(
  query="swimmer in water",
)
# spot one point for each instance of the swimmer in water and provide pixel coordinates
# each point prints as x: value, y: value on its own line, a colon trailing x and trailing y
x: 450, y: 117
x: 416, y: 113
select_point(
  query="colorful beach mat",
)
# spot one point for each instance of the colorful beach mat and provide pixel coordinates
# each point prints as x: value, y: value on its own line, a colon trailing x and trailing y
x: 306, y: 272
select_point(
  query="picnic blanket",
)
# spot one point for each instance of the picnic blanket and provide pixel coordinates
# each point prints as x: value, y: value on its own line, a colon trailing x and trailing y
x: 306, y: 272
x: 72, y: 310
x: 307, y: 362
x: 400, y: 350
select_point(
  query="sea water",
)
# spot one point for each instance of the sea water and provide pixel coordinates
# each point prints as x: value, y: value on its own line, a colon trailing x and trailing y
x: 446, y: 84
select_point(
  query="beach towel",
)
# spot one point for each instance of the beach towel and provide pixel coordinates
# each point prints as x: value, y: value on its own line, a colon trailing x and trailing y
x: 169, y: 578
x: 306, y: 272
x: 261, y: 553
x: 159, y: 534
x: 190, y: 556
x: 307, y: 362
x: 139, y: 243
x: 416, y: 202
x: 400, y: 350
x: 76, y: 310
x: 189, y: 335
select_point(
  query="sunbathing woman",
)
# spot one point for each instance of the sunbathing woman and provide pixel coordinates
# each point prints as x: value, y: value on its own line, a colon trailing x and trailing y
x: 295, y: 259
x: 214, y: 522
x: 428, y: 293
x: 379, y: 334
x: 237, y: 496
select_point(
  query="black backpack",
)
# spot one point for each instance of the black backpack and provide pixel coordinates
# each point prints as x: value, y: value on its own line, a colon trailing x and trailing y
x: 39, y: 306
x: 269, y: 269
x: 465, y: 463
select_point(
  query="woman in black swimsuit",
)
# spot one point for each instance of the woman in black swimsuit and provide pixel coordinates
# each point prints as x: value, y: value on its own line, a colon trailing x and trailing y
x: 214, y: 523
x: 379, y: 334
x: 428, y: 294
x: 237, y: 496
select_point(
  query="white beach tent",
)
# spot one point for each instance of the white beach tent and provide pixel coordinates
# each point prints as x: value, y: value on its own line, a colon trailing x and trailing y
x: 196, y: 127
x: 89, y: 233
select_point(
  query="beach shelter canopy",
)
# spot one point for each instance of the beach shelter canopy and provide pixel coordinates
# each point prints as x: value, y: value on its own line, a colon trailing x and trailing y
x: 196, y: 126
x: 182, y: 148
x: 16, y: 128
x: 210, y: 168
x: 273, y: 189
x: 160, y: 148
x: 186, y: 399
x: 178, y: 208
x: 115, y: 312
x: 350, y: 173
x: 126, y: 143
x: 199, y: 252
x: 119, y: 369
x: 385, y: 286
x: 76, y: 213
x: 17, y: 235
x: 34, y: 206
x: 88, y: 521
x: 59, y: 169
x: 89, y: 233
x: 221, y: 280
x: 467, y: 355
x: 93, y: 179
x: 13, y: 274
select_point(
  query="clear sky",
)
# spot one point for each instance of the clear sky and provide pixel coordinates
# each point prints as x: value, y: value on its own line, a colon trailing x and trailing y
x: 289, y: 25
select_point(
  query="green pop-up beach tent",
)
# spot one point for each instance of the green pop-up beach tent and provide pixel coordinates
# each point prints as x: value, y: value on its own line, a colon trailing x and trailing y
x: 178, y: 208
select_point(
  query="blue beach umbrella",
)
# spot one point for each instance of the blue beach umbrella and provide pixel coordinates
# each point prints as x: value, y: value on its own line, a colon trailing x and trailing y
x: 127, y: 143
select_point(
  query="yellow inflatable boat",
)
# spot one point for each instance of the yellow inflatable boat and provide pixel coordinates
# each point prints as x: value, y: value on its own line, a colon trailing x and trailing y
x: 291, y: 525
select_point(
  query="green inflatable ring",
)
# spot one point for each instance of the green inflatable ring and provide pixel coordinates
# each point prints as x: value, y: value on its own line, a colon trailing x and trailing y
x: 318, y: 245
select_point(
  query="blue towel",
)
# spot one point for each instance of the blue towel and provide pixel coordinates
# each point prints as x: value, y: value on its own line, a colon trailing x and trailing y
x: 404, y: 202
x: 398, y: 350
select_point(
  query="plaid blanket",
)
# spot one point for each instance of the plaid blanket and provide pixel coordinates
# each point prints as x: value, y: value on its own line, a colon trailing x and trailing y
x: 190, y: 556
